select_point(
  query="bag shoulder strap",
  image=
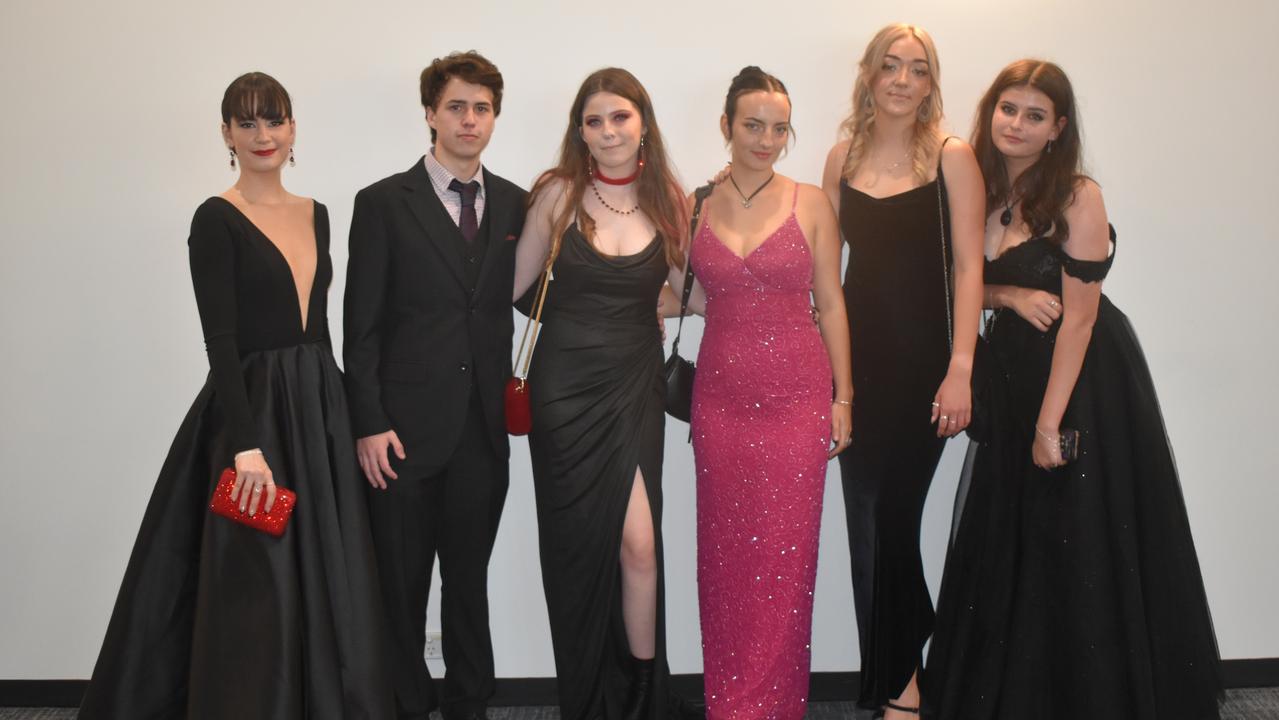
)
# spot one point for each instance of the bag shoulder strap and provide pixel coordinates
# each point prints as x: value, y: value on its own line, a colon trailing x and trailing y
x: 699, y: 195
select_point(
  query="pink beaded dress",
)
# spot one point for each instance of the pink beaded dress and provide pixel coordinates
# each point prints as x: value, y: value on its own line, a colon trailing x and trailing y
x: 761, y: 431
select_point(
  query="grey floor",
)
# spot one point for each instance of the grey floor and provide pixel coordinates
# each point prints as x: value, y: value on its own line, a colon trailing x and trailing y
x: 1250, y: 704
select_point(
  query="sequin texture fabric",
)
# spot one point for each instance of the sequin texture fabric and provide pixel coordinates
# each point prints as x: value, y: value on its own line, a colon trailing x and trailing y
x: 761, y: 430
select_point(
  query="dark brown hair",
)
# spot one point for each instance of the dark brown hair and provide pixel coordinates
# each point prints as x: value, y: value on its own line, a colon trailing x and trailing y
x: 659, y: 192
x: 1046, y: 188
x: 750, y: 79
x: 470, y: 67
x: 254, y: 95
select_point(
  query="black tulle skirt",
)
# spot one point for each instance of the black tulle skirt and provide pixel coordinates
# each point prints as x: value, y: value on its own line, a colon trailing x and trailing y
x: 1073, y: 593
x: 216, y: 620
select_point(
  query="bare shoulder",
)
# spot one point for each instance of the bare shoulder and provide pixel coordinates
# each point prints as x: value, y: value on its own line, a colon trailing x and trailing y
x: 1089, y: 225
x: 957, y: 153
x: 549, y: 191
x: 814, y: 203
x: 838, y: 151
x: 1087, y: 207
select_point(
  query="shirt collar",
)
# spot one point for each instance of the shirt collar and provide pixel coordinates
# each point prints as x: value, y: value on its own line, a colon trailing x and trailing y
x: 441, y: 177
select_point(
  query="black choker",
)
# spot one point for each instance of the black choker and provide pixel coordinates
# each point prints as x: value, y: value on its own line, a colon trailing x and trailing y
x: 746, y: 199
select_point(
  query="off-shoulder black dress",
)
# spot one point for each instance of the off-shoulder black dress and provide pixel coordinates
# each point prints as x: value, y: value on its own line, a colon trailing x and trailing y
x: 217, y: 620
x: 1071, y: 593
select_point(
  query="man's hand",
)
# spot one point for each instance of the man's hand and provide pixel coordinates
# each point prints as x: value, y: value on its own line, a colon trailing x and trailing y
x: 374, y: 461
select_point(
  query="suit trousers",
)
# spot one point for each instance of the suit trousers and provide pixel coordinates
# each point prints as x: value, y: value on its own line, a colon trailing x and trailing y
x: 452, y: 514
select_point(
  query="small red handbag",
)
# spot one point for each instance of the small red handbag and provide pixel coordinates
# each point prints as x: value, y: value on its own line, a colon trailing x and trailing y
x: 519, y: 413
x: 519, y: 416
x: 272, y: 523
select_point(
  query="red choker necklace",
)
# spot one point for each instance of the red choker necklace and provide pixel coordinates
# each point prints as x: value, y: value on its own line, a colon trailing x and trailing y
x: 618, y: 181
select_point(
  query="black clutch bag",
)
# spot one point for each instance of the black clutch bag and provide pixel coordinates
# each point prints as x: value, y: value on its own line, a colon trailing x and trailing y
x: 678, y: 371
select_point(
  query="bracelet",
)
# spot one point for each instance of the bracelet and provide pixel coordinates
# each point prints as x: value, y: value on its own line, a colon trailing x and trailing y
x: 254, y: 451
x: 1045, y: 435
x: 843, y: 402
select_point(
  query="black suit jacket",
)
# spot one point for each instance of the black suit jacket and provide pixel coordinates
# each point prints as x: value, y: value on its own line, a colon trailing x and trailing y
x: 418, y: 335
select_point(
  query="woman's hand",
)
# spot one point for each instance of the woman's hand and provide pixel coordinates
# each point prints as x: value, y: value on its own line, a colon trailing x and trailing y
x: 1037, y: 307
x: 1046, y: 452
x: 841, y: 427
x: 953, y: 404
x: 253, y: 482
x: 720, y: 176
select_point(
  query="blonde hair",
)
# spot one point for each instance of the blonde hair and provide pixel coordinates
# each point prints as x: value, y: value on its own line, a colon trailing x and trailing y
x: 859, y: 123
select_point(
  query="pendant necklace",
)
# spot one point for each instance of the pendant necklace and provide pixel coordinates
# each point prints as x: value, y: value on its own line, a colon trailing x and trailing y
x: 746, y: 199
x: 1006, y: 217
x: 604, y: 202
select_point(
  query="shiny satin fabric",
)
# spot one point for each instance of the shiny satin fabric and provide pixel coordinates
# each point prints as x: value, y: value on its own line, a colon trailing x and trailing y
x: 217, y: 620
x: 597, y: 403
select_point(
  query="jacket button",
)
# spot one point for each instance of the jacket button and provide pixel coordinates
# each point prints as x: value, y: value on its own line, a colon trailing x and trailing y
x: 464, y: 367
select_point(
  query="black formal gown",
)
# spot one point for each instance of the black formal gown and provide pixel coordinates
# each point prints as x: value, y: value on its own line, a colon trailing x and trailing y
x: 1076, y: 592
x: 217, y: 620
x: 598, y: 415
x: 895, y: 291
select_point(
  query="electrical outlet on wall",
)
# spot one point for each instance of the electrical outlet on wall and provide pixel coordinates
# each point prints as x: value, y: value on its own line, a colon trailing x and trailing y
x: 434, y: 645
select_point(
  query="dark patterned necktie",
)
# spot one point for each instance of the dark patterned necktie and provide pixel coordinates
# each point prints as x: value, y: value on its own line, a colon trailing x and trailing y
x: 467, y: 222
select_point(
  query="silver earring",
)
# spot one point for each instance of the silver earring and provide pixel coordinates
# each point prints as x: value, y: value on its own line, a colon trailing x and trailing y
x: 1050, y: 146
x: 232, y: 153
x: 292, y: 162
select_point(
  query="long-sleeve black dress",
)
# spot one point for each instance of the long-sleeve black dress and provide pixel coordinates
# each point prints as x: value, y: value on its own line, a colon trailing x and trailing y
x: 217, y: 620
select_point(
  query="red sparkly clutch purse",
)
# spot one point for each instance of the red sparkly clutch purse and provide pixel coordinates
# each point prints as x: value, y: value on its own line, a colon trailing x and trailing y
x: 272, y: 523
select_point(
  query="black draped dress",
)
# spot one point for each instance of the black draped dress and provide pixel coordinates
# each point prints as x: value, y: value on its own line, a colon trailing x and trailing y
x: 895, y: 291
x: 598, y: 415
x: 214, y: 619
x: 1076, y: 592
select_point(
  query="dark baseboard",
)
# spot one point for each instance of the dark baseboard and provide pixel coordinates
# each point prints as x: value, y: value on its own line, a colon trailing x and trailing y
x: 42, y: 693
x: 825, y: 686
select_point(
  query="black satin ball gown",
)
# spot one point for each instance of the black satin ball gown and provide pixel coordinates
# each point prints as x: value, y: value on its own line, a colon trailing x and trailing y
x: 597, y: 398
x: 1071, y: 593
x: 214, y: 619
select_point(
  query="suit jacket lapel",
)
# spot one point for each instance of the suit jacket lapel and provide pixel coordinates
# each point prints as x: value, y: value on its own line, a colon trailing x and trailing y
x: 435, y: 221
x: 497, y: 210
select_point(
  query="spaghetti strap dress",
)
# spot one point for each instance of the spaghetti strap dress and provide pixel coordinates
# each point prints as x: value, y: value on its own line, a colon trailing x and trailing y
x: 597, y: 401
x: 761, y: 435
x: 895, y: 292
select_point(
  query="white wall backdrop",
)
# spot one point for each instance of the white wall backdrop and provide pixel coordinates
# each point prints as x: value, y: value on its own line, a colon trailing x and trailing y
x: 110, y: 141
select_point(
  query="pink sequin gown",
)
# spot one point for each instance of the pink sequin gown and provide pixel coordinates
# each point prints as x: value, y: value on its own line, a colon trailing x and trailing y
x: 761, y: 430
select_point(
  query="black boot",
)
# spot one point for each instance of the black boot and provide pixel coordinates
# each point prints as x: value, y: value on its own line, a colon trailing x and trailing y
x: 637, y: 705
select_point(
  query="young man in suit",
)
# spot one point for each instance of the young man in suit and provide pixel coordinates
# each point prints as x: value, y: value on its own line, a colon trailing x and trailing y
x: 427, y: 351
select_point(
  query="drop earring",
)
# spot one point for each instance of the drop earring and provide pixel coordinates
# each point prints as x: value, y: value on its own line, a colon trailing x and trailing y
x: 1050, y: 147
x: 292, y: 162
x: 231, y: 151
x: 640, y: 162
